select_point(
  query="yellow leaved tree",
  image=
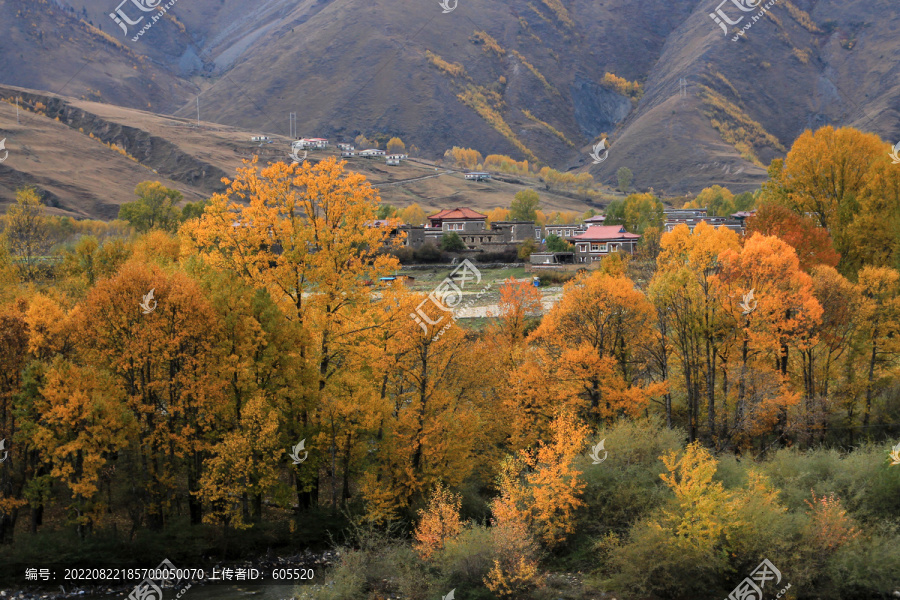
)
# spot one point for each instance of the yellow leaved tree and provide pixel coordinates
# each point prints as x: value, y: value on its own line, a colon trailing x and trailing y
x: 305, y: 233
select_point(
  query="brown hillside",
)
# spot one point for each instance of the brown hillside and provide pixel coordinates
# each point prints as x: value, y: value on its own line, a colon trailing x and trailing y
x: 86, y: 176
x: 520, y: 79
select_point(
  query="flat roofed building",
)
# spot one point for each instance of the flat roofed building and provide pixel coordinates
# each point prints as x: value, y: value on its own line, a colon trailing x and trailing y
x: 602, y: 240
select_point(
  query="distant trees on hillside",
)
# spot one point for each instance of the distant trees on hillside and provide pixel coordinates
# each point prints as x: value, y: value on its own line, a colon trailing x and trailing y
x: 464, y: 158
x: 624, y: 177
x: 395, y: 146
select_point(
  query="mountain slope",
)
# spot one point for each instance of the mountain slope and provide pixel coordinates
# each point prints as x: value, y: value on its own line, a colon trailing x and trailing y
x: 525, y: 79
x: 86, y: 159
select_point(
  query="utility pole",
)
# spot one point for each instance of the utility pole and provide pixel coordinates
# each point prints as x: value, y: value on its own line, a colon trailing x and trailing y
x: 198, y: 110
x: 293, y: 121
x: 17, y: 110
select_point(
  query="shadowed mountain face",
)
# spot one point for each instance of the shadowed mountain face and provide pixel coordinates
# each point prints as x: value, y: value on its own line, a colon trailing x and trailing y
x: 684, y: 106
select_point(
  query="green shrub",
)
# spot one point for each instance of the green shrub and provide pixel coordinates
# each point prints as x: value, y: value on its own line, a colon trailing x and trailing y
x: 466, y: 559
x: 452, y: 243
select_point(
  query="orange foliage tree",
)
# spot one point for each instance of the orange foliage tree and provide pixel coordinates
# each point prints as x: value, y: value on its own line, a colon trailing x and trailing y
x: 303, y: 233
x: 809, y: 240
x: 437, y: 523
x: 160, y: 363
x: 783, y: 314
x: 591, y: 343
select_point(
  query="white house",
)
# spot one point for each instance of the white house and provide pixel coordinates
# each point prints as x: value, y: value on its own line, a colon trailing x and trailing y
x: 346, y: 147
x: 371, y: 152
x: 259, y: 138
x: 392, y: 162
x: 478, y: 176
x: 310, y: 144
x: 348, y: 154
x: 397, y: 157
x: 565, y: 231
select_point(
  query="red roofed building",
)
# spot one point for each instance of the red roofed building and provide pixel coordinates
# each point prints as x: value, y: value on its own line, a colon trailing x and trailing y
x: 602, y: 240
x: 458, y: 219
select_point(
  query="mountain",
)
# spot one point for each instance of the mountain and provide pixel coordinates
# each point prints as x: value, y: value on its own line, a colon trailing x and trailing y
x: 541, y: 79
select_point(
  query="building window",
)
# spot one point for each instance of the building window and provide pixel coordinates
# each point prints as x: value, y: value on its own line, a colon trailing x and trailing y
x: 595, y: 247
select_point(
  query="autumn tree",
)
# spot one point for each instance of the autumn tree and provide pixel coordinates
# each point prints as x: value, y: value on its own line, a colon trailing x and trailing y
x: 822, y: 366
x: 26, y: 232
x: 810, y: 241
x: 539, y: 493
x: 590, y: 343
x: 519, y: 301
x: 438, y: 523
x: 875, y: 231
x: 305, y: 235
x: 703, y: 522
x: 362, y: 142
x: 880, y: 326
x: 505, y: 164
x: 780, y: 317
x: 395, y: 146
x: 717, y: 200
x: 691, y: 310
x: 160, y: 362
x: 464, y: 158
x: 825, y: 175
x: 427, y: 421
x: 13, y: 357
x: 636, y: 212
x: 495, y: 215
x: 84, y: 422
x: 156, y: 207
x: 412, y: 215
x: 515, y: 566
x: 244, y: 465
x: 524, y: 205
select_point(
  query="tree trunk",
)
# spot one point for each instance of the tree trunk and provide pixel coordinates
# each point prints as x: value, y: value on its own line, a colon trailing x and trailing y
x: 710, y: 389
x: 870, y: 385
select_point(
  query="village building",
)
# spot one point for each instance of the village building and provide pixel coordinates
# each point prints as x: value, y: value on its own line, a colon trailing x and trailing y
x: 346, y: 147
x: 595, y: 220
x: 566, y: 232
x: 310, y: 144
x: 371, y: 152
x: 600, y: 241
x: 471, y: 226
x: 397, y: 157
x: 742, y: 216
x: 458, y: 219
x: 552, y: 258
x: 691, y: 217
x: 478, y: 176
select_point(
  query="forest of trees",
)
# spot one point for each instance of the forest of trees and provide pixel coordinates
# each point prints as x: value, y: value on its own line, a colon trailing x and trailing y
x: 745, y: 388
